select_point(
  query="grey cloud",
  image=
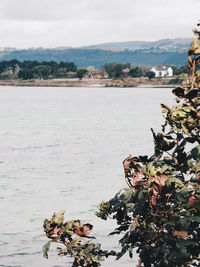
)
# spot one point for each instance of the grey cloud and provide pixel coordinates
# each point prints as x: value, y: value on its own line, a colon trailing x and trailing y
x: 88, y: 9
x: 41, y: 9
x: 83, y: 22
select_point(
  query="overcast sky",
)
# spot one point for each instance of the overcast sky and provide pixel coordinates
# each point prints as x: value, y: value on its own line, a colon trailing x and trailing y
x: 52, y: 23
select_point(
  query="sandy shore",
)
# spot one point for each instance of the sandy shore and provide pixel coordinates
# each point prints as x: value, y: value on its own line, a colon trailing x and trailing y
x: 130, y: 82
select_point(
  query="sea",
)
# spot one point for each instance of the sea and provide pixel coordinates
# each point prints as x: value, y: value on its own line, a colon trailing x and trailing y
x: 62, y: 149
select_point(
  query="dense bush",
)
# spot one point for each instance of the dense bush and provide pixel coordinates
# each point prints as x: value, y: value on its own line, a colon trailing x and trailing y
x: 36, y: 70
x: 159, y: 214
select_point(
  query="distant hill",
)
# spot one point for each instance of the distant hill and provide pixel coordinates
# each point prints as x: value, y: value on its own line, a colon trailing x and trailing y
x: 168, y: 51
x: 164, y: 44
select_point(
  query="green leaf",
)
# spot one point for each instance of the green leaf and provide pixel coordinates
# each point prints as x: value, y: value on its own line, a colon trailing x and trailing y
x: 195, y: 153
x: 58, y: 217
x: 122, y: 252
x: 177, y: 182
x: 195, y: 219
x: 45, y: 249
x: 184, y: 243
x: 165, y: 169
x: 165, y: 108
x: 141, y: 195
x: 184, y: 128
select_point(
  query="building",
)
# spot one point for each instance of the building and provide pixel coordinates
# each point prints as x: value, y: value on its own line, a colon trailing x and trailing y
x: 96, y: 74
x: 162, y: 71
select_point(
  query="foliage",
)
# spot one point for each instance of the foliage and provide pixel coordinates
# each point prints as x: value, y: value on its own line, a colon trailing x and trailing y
x: 81, y: 73
x: 150, y: 74
x: 136, y: 72
x: 115, y: 70
x: 36, y: 70
x: 26, y: 74
x: 50, y: 69
x: 76, y: 240
x: 159, y: 214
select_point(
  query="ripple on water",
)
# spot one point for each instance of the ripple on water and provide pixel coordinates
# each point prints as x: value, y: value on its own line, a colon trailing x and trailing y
x: 59, y: 155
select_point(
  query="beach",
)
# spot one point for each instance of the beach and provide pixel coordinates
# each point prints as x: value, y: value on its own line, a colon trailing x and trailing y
x: 126, y: 82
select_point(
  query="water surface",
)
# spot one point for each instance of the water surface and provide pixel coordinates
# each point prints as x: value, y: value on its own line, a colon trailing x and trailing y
x: 62, y: 148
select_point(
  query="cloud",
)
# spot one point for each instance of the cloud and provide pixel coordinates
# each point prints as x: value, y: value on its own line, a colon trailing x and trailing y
x: 82, y: 22
x: 42, y: 9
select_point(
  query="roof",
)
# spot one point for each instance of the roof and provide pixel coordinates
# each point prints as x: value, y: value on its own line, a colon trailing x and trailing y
x: 161, y: 68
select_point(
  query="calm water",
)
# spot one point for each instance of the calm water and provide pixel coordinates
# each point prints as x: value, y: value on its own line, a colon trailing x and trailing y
x: 62, y: 148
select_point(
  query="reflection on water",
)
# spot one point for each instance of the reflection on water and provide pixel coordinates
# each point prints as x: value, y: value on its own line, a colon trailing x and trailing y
x: 62, y: 148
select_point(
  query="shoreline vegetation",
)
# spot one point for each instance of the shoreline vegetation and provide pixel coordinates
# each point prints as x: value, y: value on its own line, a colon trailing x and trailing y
x: 75, y: 82
x: 67, y: 74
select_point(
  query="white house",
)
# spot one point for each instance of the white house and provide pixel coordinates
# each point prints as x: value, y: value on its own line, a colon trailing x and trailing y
x: 162, y: 71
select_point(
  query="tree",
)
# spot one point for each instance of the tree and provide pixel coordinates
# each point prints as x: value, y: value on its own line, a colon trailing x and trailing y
x: 180, y: 70
x: 81, y: 73
x: 115, y: 70
x: 61, y: 72
x: 69, y: 66
x: 159, y: 214
x: 136, y: 72
x: 41, y: 71
x: 150, y: 74
x: 34, y: 69
x: 26, y: 74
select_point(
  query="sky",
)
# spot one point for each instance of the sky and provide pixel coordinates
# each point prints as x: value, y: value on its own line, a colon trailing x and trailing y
x: 76, y: 23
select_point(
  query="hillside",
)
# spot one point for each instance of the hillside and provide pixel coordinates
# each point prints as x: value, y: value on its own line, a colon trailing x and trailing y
x: 168, y: 51
x: 97, y: 58
x: 164, y: 44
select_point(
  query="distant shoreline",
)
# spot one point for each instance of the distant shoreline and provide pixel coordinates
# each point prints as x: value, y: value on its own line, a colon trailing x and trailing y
x: 134, y: 82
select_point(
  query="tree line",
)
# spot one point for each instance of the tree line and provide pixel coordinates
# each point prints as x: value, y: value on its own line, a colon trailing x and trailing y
x: 26, y: 70
x: 35, y: 70
x: 118, y: 70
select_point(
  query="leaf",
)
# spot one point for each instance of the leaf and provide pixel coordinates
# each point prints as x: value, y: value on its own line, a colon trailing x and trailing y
x: 130, y: 251
x: 184, y: 222
x: 141, y: 195
x: 195, y: 153
x: 124, y: 195
x: 165, y: 169
x: 45, y: 249
x: 149, y: 170
x: 161, y: 144
x: 119, y: 230
x: 184, y: 242
x: 159, y: 180
x: 122, y: 252
x: 188, y: 108
x: 58, y: 217
x: 177, y: 182
x: 184, y: 128
x: 196, y: 219
x: 179, y: 112
x: 181, y: 234
x: 165, y: 108
x: 70, y: 226
x: 192, y: 93
x: 179, y: 92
